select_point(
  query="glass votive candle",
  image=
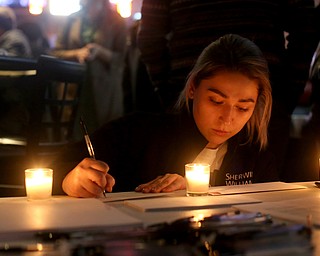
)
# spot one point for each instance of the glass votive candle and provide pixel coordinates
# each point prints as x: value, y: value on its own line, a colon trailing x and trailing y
x: 197, y: 177
x: 38, y: 183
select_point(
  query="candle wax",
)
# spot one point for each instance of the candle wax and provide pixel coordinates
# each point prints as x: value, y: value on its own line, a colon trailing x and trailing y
x: 197, y: 179
x: 39, y: 184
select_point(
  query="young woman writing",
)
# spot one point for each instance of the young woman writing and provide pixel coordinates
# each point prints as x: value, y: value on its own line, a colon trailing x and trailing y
x: 222, y: 118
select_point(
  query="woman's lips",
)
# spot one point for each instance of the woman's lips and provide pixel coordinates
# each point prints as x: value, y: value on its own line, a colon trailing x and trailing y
x: 220, y: 132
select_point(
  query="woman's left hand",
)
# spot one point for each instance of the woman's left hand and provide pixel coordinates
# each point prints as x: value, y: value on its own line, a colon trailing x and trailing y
x: 165, y: 183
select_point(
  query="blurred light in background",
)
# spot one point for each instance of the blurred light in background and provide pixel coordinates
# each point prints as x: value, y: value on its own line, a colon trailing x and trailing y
x: 63, y: 7
x: 137, y: 16
x: 14, y: 3
x: 66, y: 7
x: 124, y: 8
x: 36, y: 6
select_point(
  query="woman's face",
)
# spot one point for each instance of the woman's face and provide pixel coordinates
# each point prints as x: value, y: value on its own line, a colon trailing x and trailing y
x: 222, y: 105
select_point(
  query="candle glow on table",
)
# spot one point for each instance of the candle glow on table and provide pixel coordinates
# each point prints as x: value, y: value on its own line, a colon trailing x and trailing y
x: 197, y: 179
x: 39, y: 183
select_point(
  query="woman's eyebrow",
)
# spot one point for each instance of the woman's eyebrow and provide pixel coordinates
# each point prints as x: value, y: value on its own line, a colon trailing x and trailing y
x: 225, y: 96
x: 218, y: 92
x: 247, y: 100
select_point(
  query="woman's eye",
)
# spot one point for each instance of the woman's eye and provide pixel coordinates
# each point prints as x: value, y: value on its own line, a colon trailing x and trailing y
x: 215, y: 101
x: 243, y: 109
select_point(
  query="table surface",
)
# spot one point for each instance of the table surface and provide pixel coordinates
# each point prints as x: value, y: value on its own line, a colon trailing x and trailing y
x: 126, y: 242
x: 151, y: 218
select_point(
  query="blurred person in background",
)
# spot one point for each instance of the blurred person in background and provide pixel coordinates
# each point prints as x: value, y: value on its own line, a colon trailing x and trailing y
x: 13, y: 41
x: 310, y: 136
x: 39, y: 43
x: 173, y: 33
x: 96, y: 36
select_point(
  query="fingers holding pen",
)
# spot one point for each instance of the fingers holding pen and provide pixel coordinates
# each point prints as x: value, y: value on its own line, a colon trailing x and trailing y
x: 88, y: 179
x: 98, y: 173
x: 110, y: 182
x: 105, y: 180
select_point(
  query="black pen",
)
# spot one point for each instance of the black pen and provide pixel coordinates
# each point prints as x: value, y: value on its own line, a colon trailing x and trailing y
x: 88, y: 143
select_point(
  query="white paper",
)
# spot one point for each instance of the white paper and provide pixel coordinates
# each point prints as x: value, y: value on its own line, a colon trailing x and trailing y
x: 61, y: 213
x: 120, y: 196
x: 188, y: 203
x: 253, y: 188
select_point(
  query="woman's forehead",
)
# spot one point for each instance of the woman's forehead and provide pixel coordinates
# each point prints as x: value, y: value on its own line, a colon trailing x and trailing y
x: 230, y: 83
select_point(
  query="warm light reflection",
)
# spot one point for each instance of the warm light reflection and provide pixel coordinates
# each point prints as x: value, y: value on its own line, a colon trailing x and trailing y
x: 39, y: 214
x: 198, y: 220
x: 200, y: 217
x: 39, y: 247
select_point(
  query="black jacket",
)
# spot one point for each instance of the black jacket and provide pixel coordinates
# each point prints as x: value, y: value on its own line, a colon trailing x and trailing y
x: 141, y: 146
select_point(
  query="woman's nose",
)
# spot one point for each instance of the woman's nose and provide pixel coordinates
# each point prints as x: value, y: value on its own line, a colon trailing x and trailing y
x: 226, y: 115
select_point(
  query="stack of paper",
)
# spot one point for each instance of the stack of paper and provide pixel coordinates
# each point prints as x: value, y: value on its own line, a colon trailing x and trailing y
x: 188, y: 203
x: 227, y: 196
x: 254, y: 188
x: 121, y: 196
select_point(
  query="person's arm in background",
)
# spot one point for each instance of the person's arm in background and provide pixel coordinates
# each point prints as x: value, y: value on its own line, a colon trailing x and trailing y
x: 80, y: 55
x: 153, y: 39
x: 116, y: 33
x: 94, y: 50
x: 62, y: 49
x: 301, y: 23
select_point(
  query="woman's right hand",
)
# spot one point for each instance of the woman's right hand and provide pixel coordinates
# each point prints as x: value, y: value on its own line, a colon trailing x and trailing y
x: 88, y: 179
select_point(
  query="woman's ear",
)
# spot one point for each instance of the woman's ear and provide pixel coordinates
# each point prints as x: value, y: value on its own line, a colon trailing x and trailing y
x: 191, y: 90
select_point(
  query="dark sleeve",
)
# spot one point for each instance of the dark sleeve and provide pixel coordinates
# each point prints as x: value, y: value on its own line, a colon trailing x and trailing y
x: 124, y: 145
x: 266, y: 168
x: 68, y: 158
x: 106, y: 142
